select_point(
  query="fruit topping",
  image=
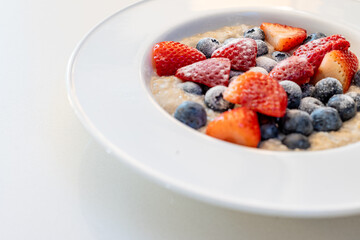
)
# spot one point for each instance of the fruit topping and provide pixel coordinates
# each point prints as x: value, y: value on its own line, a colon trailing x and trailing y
x: 296, y: 140
x: 279, y: 56
x: 258, y: 69
x: 258, y: 92
x: 207, y: 46
x: 267, y: 63
x: 191, y: 87
x: 255, y: 33
x: 309, y: 104
x: 241, y: 52
x: 283, y: 37
x: 307, y: 90
x: 297, y: 121
x: 269, y: 130
x: 313, y: 37
x: 356, y: 97
x: 341, y: 65
x: 262, y: 48
x: 315, y: 50
x: 238, y: 126
x: 326, y: 119
x: 191, y: 114
x: 356, y: 79
x: 344, y: 104
x: 293, y: 92
x: 169, y: 56
x: 294, y: 68
x: 210, y: 72
x: 214, y: 99
x: 326, y: 88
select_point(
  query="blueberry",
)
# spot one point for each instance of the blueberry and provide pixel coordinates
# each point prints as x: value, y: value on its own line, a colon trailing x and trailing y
x: 344, y: 104
x: 293, y: 92
x: 279, y: 56
x: 191, y: 114
x: 258, y: 69
x: 356, y: 97
x: 326, y: 88
x: 296, y: 121
x: 356, y: 79
x: 227, y: 41
x: 313, y: 37
x: 262, y: 48
x: 267, y: 63
x: 269, y: 131
x: 234, y: 73
x: 191, y: 87
x: 255, y: 33
x: 307, y: 90
x: 214, y: 99
x: 296, y: 140
x: 309, y: 104
x: 326, y: 119
x: 207, y: 46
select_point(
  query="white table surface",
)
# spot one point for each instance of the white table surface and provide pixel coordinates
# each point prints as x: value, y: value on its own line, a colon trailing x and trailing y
x: 56, y: 182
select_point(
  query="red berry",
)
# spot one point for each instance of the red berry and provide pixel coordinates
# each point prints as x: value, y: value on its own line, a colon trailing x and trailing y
x: 238, y: 126
x: 296, y: 69
x: 169, y: 56
x: 315, y: 50
x: 258, y: 92
x: 210, y: 72
x: 241, y: 52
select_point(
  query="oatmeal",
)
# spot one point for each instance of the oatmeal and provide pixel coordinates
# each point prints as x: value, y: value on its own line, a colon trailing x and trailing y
x: 266, y: 67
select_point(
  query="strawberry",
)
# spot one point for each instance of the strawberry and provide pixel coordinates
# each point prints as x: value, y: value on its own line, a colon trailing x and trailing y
x: 238, y: 126
x: 294, y: 68
x: 169, y: 56
x: 341, y: 65
x: 241, y: 52
x: 315, y: 50
x: 258, y: 92
x: 283, y: 37
x: 210, y: 72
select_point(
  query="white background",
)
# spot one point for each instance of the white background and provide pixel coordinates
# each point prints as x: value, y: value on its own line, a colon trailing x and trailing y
x: 56, y: 182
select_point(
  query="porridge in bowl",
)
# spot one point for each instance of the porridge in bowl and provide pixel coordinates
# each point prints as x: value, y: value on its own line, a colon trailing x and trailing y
x: 274, y: 87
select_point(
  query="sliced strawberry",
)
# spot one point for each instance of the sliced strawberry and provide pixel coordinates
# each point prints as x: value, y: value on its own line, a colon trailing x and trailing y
x: 283, y: 37
x: 315, y: 50
x: 294, y: 68
x: 241, y: 52
x: 169, y: 56
x: 210, y: 72
x: 238, y: 126
x: 258, y: 92
x: 341, y: 65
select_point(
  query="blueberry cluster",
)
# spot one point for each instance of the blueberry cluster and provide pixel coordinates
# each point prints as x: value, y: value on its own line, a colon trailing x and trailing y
x: 322, y: 107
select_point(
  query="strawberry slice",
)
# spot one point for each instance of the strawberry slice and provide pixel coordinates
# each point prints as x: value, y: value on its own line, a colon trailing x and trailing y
x: 341, y: 65
x: 258, y: 92
x: 238, y: 126
x: 241, y: 52
x: 283, y: 37
x: 169, y: 56
x: 294, y: 68
x: 315, y: 50
x: 210, y: 72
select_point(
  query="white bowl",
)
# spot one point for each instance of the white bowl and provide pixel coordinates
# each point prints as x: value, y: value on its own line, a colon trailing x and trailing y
x: 108, y: 83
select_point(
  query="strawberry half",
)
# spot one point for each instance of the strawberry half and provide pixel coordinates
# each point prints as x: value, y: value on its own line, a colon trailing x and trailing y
x: 341, y: 65
x: 241, y: 52
x: 283, y: 37
x: 169, y: 56
x: 258, y: 92
x: 210, y: 72
x: 294, y: 68
x: 315, y: 50
x: 238, y: 126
